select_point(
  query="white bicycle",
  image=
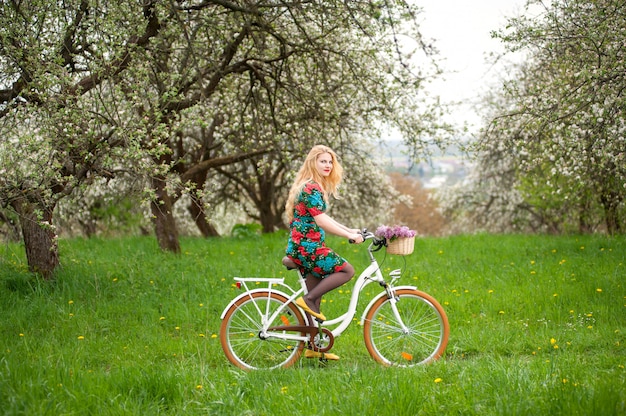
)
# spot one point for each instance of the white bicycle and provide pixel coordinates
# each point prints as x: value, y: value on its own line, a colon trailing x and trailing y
x: 263, y: 328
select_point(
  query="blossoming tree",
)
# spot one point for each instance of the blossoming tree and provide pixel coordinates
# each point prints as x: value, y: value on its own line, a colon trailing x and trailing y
x: 553, y: 156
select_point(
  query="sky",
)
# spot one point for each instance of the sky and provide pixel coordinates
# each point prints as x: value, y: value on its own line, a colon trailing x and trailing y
x: 461, y: 30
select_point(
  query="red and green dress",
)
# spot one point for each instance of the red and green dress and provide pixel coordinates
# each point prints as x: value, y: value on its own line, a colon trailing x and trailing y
x: 306, y: 245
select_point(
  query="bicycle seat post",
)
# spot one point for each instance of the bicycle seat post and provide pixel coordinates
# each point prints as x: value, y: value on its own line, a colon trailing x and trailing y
x: 302, y: 282
x: 290, y: 265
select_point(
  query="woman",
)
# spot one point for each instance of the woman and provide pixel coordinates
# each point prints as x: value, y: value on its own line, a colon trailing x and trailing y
x: 324, y: 270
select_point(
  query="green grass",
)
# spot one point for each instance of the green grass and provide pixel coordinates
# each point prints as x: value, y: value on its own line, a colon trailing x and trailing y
x: 537, y: 323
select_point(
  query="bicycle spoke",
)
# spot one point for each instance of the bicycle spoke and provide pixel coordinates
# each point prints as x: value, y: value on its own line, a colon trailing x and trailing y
x: 420, y: 339
x: 242, y: 335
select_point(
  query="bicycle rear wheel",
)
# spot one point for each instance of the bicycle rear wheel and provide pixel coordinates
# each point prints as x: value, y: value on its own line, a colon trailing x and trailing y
x: 241, y: 332
x: 424, y: 339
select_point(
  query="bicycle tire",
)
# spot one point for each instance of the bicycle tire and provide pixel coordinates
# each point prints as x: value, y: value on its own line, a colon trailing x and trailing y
x: 240, y: 333
x: 427, y: 324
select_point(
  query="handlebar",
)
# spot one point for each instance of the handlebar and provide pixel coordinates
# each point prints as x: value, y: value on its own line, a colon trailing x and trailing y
x: 368, y: 235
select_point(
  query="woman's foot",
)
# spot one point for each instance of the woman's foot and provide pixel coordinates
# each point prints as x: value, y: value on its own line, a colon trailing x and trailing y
x: 302, y: 303
x: 317, y: 354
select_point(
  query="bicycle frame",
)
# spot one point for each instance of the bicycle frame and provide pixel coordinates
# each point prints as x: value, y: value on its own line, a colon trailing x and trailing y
x: 371, y: 274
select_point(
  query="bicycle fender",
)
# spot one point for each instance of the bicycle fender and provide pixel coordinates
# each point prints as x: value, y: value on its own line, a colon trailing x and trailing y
x: 382, y: 294
x: 248, y: 294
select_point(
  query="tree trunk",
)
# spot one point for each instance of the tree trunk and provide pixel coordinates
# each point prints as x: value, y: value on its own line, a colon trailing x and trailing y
x: 40, y: 239
x: 164, y: 223
x: 584, y: 217
x: 197, y: 213
x: 270, y: 219
x: 610, y: 202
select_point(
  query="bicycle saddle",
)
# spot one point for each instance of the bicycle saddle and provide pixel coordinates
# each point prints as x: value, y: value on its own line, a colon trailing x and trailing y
x: 289, y: 264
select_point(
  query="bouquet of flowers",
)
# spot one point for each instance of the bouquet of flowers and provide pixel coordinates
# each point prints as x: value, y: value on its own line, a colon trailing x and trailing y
x: 400, y: 238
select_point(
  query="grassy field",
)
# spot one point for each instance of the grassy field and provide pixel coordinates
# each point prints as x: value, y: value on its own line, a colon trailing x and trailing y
x: 538, y: 326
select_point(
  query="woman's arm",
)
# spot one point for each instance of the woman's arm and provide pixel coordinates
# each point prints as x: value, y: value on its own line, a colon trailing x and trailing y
x: 331, y: 226
x: 348, y: 229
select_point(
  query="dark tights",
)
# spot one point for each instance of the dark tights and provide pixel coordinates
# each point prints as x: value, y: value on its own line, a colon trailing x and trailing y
x: 318, y: 287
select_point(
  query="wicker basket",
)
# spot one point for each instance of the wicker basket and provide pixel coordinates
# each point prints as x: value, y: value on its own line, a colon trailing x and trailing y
x: 402, y: 246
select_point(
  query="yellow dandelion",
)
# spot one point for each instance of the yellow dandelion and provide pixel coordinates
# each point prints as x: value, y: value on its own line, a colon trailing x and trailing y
x: 555, y: 295
x: 70, y: 302
x: 162, y: 318
x: 214, y: 336
x: 177, y: 328
x: 21, y: 335
x: 501, y: 312
x: 115, y: 279
x: 201, y: 335
x: 598, y: 290
x: 532, y: 262
x: 283, y: 390
x: 201, y: 305
x: 80, y: 337
x: 199, y: 387
x: 438, y: 380
x: 490, y: 291
x: 552, y: 341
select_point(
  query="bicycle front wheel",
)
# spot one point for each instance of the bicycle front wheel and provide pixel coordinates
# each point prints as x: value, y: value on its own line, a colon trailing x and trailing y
x: 418, y: 337
x: 242, y: 337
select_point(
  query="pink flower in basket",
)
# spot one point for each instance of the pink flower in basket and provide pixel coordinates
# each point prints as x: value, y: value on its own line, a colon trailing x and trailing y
x: 393, y: 232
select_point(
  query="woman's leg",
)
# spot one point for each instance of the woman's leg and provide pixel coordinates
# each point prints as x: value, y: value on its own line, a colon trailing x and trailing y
x: 318, y: 287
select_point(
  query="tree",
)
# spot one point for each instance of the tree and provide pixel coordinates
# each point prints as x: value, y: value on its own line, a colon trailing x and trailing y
x: 558, y: 145
x: 55, y: 137
x: 175, y: 91
x: 278, y: 76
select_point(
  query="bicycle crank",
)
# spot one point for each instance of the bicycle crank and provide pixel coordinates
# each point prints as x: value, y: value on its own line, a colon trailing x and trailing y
x: 318, y: 343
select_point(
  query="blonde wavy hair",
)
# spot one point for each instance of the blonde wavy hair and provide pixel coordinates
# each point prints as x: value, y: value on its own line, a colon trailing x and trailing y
x: 308, y: 172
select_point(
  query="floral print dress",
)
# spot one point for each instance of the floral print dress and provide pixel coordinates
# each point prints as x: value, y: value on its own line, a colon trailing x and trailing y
x: 306, y: 245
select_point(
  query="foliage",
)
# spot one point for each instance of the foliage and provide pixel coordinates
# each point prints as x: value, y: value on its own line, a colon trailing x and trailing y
x: 555, y: 142
x: 171, y: 94
x: 537, y: 327
x: 246, y: 230
x: 416, y: 206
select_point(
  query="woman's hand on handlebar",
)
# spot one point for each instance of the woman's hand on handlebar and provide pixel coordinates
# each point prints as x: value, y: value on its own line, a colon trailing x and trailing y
x: 356, y: 237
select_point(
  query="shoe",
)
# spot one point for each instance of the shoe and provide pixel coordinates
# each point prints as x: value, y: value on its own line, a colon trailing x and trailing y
x: 317, y: 354
x: 301, y: 303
